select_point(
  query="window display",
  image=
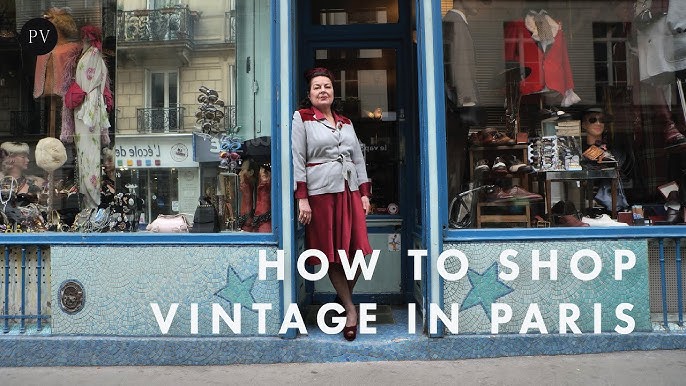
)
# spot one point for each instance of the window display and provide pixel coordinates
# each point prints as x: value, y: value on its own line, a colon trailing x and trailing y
x: 575, y: 119
x: 169, y: 140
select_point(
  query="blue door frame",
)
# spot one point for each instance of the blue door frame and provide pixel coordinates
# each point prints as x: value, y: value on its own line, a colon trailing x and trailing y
x: 395, y: 36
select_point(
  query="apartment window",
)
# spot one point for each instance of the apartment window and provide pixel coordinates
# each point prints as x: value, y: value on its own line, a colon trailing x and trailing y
x: 158, y: 4
x: 610, y: 56
x: 164, y: 110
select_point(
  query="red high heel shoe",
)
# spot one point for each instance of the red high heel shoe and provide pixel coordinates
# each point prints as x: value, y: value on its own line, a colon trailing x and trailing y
x: 350, y: 333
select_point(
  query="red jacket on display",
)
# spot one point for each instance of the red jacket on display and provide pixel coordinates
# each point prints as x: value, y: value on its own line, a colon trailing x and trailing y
x: 545, y: 54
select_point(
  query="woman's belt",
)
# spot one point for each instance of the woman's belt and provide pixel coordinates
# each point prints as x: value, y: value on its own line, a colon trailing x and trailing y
x: 340, y: 159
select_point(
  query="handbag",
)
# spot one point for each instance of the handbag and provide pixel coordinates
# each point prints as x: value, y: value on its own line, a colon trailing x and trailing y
x: 206, y: 218
x: 169, y: 223
x: 91, y: 220
x: 74, y: 96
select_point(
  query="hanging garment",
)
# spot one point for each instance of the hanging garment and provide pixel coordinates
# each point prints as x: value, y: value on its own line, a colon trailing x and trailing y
x: 90, y: 118
x: 538, y: 43
x: 459, y: 60
x: 50, y: 69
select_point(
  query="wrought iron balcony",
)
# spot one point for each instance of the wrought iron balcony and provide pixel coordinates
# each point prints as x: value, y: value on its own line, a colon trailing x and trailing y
x: 160, y: 119
x: 167, y: 24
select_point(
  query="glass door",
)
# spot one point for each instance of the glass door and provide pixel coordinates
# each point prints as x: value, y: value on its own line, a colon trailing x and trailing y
x: 366, y: 92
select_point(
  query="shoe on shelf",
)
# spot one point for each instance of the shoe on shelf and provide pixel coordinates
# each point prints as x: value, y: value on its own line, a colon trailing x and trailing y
x: 673, y: 215
x: 570, y: 220
x: 493, y: 137
x: 673, y: 207
x: 673, y: 136
x: 517, y: 166
x: 482, y: 166
x: 501, y: 139
x: 519, y: 193
x: 673, y: 201
x: 512, y: 194
x: 499, y: 166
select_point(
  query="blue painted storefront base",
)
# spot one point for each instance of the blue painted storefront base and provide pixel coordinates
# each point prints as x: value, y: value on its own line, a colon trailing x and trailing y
x: 390, y: 343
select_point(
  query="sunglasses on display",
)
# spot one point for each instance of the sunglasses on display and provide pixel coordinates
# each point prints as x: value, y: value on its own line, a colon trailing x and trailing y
x: 593, y: 120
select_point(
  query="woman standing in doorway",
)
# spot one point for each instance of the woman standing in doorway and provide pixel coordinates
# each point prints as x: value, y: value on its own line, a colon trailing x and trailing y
x: 331, y: 185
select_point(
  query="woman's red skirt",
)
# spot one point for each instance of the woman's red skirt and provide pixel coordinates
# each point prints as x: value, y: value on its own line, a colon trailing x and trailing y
x: 338, y: 222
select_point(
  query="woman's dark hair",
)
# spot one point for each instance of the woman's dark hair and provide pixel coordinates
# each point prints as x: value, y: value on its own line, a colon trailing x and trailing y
x: 309, y: 75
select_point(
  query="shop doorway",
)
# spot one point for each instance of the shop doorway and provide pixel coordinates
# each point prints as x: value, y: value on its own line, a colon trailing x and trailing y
x: 368, y: 46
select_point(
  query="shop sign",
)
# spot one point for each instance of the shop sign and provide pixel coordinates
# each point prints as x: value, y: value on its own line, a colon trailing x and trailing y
x: 158, y: 152
x: 206, y: 149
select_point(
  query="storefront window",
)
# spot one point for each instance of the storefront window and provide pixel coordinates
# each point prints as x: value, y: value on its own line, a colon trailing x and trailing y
x: 140, y: 110
x: 565, y: 113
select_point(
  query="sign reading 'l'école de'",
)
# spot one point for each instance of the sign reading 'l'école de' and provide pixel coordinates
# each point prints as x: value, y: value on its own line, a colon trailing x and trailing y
x: 154, y: 152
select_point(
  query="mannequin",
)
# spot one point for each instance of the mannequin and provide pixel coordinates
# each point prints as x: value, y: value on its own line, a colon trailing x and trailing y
x: 15, y: 161
x: 593, y: 124
x: 263, y: 212
x: 246, y: 185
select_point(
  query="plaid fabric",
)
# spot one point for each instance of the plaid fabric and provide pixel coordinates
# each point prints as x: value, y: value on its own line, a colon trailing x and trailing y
x: 652, y: 166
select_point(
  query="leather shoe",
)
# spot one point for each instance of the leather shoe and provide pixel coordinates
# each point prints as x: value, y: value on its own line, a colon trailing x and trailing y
x: 513, y: 194
x: 673, y: 216
x: 673, y: 137
x: 493, y: 137
x: 673, y: 207
x: 517, y: 166
x: 570, y: 220
x: 520, y: 193
x: 499, y: 166
x: 482, y: 166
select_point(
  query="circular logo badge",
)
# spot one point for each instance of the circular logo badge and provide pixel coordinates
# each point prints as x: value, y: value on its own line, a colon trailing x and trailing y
x: 72, y: 297
x: 179, y: 152
x: 392, y: 208
x: 38, y: 36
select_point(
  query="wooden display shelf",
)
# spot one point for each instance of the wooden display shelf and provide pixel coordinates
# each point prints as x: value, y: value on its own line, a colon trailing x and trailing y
x: 503, y: 218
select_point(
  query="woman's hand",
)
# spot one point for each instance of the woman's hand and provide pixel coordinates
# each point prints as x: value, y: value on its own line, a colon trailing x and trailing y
x: 304, y: 211
x: 365, y: 205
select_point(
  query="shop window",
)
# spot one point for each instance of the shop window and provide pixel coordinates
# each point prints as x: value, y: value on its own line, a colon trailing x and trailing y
x: 150, y: 154
x: 562, y: 105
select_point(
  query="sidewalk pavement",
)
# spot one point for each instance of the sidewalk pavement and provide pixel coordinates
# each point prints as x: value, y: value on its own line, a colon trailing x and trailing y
x: 619, y: 368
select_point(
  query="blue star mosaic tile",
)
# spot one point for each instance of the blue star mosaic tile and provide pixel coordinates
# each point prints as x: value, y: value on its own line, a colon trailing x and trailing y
x: 582, y: 287
x: 131, y: 291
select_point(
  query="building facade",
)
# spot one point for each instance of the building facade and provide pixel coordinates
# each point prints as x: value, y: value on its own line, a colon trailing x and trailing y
x: 526, y: 160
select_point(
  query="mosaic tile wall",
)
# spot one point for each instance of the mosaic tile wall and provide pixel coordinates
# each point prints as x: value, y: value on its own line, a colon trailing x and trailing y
x: 120, y: 283
x: 481, y: 286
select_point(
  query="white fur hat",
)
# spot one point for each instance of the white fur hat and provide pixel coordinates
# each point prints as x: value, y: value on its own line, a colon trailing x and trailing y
x: 15, y: 147
x: 50, y: 154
